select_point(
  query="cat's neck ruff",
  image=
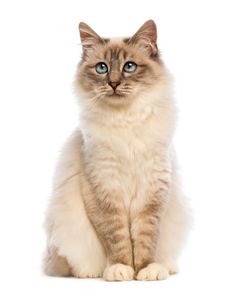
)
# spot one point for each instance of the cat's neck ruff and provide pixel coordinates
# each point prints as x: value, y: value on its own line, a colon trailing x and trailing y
x: 151, y: 115
x: 155, y: 103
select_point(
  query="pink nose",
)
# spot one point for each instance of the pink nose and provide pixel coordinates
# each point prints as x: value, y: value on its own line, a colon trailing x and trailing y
x: 114, y: 84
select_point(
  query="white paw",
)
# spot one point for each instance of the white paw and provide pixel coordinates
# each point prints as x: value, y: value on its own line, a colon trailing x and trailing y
x: 171, y: 267
x: 153, y: 272
x: 118, y: 272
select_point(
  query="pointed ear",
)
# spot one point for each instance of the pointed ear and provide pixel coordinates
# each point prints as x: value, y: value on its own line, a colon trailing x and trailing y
x: 146, y: 38
x: 89, y: 37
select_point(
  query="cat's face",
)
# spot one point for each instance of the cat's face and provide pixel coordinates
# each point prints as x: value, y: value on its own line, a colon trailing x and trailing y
x: 116, y: 72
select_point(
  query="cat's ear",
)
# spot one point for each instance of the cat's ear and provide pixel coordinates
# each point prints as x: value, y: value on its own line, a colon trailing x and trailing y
x: 89, y: 38
x: 146, y: 38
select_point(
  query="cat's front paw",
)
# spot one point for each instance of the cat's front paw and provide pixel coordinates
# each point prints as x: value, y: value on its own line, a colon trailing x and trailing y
x: 153, y: 272
x: 118, y: 272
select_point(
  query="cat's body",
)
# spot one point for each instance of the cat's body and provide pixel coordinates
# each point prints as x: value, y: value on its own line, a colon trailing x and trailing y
x: 116, y: 209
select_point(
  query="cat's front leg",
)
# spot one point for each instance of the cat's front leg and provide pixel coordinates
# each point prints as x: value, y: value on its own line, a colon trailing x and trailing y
x: 146, y: 218
x: 109, y: 218
x: 106, y: 209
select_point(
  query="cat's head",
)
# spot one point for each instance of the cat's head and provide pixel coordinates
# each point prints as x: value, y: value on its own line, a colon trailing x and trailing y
x: 116, y: 72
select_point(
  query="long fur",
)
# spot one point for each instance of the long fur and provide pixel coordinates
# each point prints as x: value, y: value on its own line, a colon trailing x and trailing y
x: 117, y: 210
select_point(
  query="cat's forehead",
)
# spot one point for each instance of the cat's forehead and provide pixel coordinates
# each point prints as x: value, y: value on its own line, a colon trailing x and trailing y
x: 116, y: 49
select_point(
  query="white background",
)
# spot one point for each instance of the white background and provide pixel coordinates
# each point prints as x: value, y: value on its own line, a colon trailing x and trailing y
x: 39, y: 50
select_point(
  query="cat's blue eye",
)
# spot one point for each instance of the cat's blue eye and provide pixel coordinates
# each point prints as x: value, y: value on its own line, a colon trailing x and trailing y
x: 130, y: 67
x: 101, y: 68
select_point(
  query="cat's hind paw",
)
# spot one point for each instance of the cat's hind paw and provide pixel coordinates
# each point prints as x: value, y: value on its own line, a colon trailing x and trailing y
x: 86, y: 274
x: 172, y: 267
x: 118, y: 272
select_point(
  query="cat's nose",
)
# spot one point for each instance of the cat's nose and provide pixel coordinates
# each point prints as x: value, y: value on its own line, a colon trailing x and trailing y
x: 114, y: 85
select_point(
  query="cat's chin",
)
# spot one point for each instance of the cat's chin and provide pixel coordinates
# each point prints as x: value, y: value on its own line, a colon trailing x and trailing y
x: 117, y: 99
x: 116, y: 96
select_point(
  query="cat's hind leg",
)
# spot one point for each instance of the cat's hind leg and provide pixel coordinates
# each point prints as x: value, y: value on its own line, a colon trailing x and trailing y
x: 174, y: 229
x: 68, y: 227
x: 71, y: 233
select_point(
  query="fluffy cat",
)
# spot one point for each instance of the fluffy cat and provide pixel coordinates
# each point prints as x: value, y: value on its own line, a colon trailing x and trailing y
x: 116, y: 211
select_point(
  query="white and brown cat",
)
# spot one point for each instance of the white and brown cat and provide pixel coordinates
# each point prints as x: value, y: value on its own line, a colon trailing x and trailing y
x: 117, y: 211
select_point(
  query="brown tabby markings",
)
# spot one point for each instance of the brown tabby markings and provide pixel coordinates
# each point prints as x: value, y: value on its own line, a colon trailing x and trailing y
x: 128, y: 240
x: 154, y: 55
x: 111, y: 225
x: 145, y: 240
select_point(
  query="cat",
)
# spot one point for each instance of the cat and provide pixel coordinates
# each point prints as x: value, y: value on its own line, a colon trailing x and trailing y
x: 117, y: 211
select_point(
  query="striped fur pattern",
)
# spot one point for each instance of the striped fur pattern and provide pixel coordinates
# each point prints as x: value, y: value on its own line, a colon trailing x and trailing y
x: 116, y: 211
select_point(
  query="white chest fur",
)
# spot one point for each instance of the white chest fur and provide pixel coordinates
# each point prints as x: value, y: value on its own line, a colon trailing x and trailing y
x: 121, y: 154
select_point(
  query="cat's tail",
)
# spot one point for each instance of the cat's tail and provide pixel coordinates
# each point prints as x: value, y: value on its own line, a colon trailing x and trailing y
x: 55, y: 265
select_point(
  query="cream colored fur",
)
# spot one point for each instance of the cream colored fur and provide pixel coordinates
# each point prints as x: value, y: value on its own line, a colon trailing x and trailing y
x: 146, y: 126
